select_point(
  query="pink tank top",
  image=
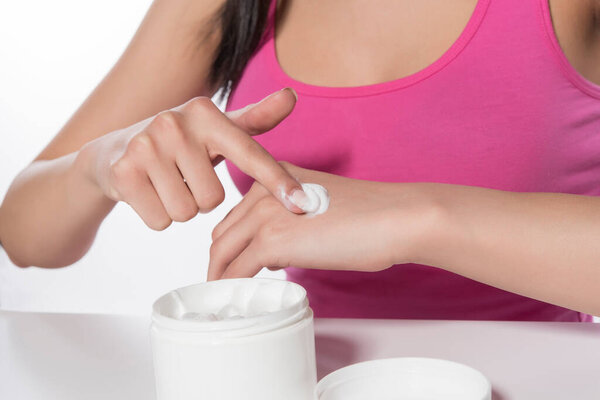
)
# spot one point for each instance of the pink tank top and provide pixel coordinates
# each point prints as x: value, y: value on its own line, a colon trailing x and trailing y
x: 502, y: 108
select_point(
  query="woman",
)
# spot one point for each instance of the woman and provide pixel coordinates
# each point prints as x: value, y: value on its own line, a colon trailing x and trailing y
x: 459, y: 143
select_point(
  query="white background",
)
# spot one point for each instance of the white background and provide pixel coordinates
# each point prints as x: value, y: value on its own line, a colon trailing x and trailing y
x: 53, y: 54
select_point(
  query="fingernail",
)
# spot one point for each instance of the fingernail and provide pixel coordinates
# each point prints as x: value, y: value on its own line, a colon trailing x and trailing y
x: 268, y: 97
x: 299, y: 198
x: 293, y: 92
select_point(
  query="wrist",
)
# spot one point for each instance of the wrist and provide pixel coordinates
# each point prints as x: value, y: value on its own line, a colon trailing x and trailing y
x: 420, y: 224
x: 81, y: 179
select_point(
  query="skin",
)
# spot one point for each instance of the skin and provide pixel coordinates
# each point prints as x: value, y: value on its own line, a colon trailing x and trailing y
x: 102, y: 155
x: 540, y: 245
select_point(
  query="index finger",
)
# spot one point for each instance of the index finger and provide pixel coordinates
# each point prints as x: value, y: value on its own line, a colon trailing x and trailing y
x: 254, y: 160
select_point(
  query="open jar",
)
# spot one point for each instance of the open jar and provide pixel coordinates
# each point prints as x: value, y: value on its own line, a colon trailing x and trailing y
x: 249, y: 338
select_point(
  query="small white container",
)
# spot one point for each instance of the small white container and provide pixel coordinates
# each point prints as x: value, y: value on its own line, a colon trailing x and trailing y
x: 234, y: 339
x: 405, y: 379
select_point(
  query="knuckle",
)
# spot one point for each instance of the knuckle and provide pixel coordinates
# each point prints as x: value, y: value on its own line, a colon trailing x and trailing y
x: 216, y: 232
x: 122, y: 170
x: 215, y: 250
x: 140, y: 146
x: 218, y: 229
x: 185, y: 212
x: 159, y: 224
x: 211, y: 199
x: 266, y: 207
x: 268, y: 234
x: 200, y: 105
x: 114, y: 194
x: 166, y: 121
x: 263, y: 236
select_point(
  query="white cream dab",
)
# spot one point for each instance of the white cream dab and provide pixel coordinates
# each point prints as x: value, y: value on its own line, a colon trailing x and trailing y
x: 314, y: 202
x: 318, y: 199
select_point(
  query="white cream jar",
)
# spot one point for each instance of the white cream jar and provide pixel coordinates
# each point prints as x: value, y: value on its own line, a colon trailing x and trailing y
x: 236, y: 339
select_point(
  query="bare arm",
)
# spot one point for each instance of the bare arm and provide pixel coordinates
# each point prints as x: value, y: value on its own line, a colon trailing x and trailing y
x: 147, y: 125
x: 540, y: 245
x: 49, y: 209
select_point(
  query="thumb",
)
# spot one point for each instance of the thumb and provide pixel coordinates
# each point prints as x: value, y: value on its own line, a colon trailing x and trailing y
x: 263, y: 116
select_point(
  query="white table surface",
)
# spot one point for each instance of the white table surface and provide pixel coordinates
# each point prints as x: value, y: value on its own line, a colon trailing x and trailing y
x: 82, y: 356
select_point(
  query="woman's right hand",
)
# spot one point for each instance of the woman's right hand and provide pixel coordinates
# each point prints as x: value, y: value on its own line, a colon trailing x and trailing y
x: 163, y: 166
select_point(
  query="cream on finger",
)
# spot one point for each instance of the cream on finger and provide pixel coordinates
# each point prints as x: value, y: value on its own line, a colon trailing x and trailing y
x: 315, y: 201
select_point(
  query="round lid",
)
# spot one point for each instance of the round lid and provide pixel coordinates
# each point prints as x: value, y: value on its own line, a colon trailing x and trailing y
x: 232, y: 307
x: 405, y: 378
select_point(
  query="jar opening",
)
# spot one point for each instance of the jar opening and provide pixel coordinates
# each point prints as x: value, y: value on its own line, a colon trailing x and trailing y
x: 229, y: 305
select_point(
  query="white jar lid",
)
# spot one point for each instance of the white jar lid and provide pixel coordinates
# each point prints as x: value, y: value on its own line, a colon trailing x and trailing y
x: 232, y: 307
x: 405, y: 378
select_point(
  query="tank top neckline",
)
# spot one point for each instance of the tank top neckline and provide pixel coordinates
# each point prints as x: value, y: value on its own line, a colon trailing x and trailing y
x: 450, y: 54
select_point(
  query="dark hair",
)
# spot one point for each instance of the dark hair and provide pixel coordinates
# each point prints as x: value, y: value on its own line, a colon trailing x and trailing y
x: 242, y: 24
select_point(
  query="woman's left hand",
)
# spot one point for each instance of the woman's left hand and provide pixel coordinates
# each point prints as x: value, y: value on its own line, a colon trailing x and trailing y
x: 369, y: 226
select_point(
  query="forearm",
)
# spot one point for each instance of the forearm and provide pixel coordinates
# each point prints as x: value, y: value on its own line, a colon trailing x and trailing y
x: 541, y: 245
x: 51, y: 214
